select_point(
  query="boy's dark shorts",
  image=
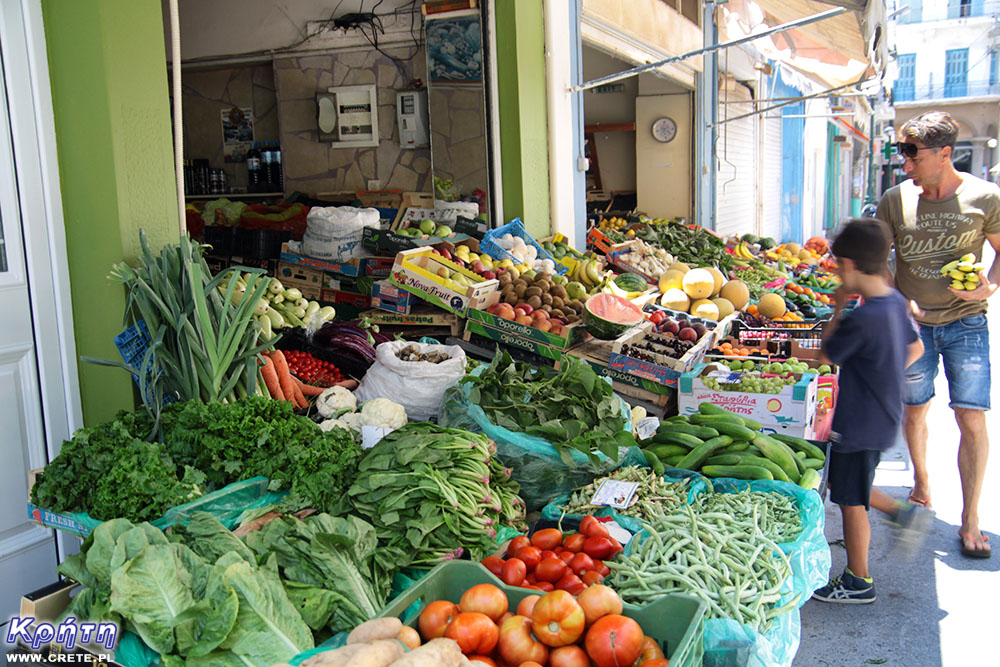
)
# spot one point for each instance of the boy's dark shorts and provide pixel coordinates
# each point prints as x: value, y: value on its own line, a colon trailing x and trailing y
x: 852, y: 475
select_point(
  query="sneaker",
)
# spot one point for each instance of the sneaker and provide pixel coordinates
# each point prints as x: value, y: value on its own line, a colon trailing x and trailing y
x: 847, y: 589
x: 913, y: 522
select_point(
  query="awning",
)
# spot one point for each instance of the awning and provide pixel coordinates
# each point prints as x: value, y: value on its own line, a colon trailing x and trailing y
x: 831, y: 52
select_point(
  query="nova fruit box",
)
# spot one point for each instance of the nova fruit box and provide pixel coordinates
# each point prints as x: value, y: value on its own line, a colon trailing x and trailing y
x: 442, y: 282
x: 794, y: 405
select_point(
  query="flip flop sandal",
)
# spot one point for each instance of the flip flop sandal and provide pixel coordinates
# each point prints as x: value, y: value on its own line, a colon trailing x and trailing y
x: 974, y: 553
x: 923, y: 502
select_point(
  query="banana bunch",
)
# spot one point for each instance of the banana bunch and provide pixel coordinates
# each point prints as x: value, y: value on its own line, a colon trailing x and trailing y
x: 280, y: 307
x: 587, y: 274
x: 614, y: 223
x: 964, y: 272
x: 742, y: 250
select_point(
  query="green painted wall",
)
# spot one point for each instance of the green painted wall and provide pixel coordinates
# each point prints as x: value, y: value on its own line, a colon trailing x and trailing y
x: 112, y: 118
x: 523, y: 127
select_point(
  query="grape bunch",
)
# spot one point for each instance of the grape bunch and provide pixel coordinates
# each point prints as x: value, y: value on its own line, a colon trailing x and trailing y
x: 751, y: 383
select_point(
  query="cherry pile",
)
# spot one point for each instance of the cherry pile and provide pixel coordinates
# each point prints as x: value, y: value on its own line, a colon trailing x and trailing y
x: 311, y: 370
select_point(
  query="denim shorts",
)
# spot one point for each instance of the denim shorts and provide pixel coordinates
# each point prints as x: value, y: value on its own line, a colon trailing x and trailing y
x: 965, y: 347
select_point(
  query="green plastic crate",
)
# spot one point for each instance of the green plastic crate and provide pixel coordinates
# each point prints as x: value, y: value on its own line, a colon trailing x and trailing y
x: 675, y: 620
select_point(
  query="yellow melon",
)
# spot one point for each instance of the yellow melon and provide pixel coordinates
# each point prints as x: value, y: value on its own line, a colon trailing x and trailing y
x: 705, y: 309
x: 793, y: 248
x: 720, y: 279
x: 679, y: 266
x: 771, y: 306
x: 676, y: 299
x: 737, y: 293
x: 699, y: 283
x: 725, y: 307
x: 671, y: 278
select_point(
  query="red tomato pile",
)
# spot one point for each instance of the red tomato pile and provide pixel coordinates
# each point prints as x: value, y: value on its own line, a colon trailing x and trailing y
x: 549, y: 560
x: 553, y: 629
x: 311, y: 370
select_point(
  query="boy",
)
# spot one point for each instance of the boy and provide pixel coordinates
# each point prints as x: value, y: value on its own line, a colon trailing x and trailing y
x: 873, y: 345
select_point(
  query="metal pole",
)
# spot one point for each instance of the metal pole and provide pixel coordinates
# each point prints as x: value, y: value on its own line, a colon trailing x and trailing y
x: 618, y: 76
x: 706, y: 105
x: 784, y: 104
x: 870, y: 195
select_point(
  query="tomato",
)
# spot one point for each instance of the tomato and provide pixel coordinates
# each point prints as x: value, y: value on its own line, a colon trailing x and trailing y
x: 656, y: 662
x: 530, y: 579
x: 516, y: 644
x: 657, y: 317
x: 527, y: 605
x: 616, y: 546
x: 570, y: 583
x: 485, y: 659
x: 548, y: 553
x: 531, y: 556
x: 591, y: 527
x: 650, y: 650
x: 529, y: 663
x: 551, y: 570
x: 600, y: 567
x: 558, y: 619
x: 614, y: 641
x: 474, y: 632
x: 546, y: 586
x: 569, y: 656
x: 566, y: 556
x: 513, y: 572
x: 547, y: 538
x: 517, y: 543
x: 409, y: 637
x: 581, y: 563
x: 598, y: 547
x: 598, y: 601
x: 506, y: 615
x: 574, y: 542
x: 493, y: 564
x: 486, y: 599
x: 590, y: 578
x: 435, y: 618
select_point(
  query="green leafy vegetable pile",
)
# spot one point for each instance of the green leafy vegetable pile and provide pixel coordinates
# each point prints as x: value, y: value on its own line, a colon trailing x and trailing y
x: 429, y: 489
x: 696, y: 246
x: 110, y: 472
x: 572, y: 408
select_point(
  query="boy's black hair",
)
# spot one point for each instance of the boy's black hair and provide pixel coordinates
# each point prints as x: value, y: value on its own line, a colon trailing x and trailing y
x: 864, y: 240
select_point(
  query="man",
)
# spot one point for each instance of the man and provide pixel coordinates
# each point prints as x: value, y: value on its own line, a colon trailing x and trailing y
x: 939, y: 216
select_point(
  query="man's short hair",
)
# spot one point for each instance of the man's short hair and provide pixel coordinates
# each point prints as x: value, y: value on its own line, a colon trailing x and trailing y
x: 934, y: 129
x: 866, y: 242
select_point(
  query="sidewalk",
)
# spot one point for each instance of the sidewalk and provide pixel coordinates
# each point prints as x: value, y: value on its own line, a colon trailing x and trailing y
x: 939, y: 608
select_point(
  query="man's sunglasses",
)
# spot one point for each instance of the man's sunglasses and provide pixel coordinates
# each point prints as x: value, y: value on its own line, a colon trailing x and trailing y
x: 909, y: 150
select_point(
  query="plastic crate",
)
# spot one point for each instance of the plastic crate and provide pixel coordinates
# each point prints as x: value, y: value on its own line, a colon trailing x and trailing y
x: 260, y: 243
x: 221, y: 238
x: 515, y: 227
x: 132, y: 344
x: 674, y: 621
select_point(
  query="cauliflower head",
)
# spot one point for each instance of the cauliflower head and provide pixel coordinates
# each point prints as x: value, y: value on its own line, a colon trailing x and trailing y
x: 334, y: 400
x: 383, y: 412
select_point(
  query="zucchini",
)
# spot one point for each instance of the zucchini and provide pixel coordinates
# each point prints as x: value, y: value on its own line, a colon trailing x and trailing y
x: 703, y: 432
x: 775, y: 470
x: 672, y: 461
x: 712, y: 409
x: 810, y: 480
x: 654, y: 462
x: 666, y: 451
x: 739, y: 472
x: 683, y: 439
x: 811, y: 450
x: 734, y: 431
x: 778, y: 452
x: 698, y: 455
x: 815, y: 464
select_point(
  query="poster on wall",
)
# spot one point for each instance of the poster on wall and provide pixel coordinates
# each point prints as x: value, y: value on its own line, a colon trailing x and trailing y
x: 454, y: 48
x: 237, y: 133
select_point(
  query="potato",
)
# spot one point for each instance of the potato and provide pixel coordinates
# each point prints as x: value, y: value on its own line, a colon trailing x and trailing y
x: 381, y: 653
x: 379, y: 628
x: 337, y: 656
x: 438, y: 652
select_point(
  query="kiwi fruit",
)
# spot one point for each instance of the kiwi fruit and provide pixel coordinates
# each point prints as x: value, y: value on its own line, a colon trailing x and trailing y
x: 535, y: 301
x: 512, y: 298
x: 546, y: 285
x: 572, y: 317
x: 547, y: 299
x: 533, y: 291
x: 557, y: 312
x: 547, y: 309
x: 559, y: 291
x: 557, y: 301
x: 542, y: 275
x: 505, y: 278
x: 520, y: 289
x: 576, y: 305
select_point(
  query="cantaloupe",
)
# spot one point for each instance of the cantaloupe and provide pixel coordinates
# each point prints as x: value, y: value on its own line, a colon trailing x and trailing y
x: 699, y: 283
x: 724, y: 305
x: 676, y: 299
x: 705, y: 309
x: 720, y: 279
x: 793, y: 248
x: 671, y: 278
x: 771, y: 306
x: 737, y: 293
x: 679, y: 266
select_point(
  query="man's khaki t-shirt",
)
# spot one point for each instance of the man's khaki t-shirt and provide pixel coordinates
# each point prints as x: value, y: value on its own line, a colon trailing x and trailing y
x: 939, y: 232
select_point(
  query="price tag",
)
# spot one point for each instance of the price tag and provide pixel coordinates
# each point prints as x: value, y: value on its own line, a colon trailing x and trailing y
x: 614, y: 493
x: 370, y: 435
x: 646, y: 428
x: 618, y: 532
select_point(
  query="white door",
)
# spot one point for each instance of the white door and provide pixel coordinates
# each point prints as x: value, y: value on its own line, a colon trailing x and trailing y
x: 736, y: 159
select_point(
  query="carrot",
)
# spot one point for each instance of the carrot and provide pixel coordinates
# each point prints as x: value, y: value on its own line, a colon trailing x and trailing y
x: 271, y: 379
x: 284, y: 376
x: 300, y: 398
x: 308, y: 389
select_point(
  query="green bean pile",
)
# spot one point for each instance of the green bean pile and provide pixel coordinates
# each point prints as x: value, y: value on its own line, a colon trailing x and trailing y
x: 724, y: 561
x: 777, y: 516
x: 654, y: 497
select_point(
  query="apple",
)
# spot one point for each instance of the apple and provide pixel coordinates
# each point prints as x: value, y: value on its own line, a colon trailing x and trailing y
x: 427, y: 226
x: 526, y: 307
x: 445, y: 253
x: 523, y: 319
x: 478, y: 266
x: 489, y: 275
x: 542, y: 324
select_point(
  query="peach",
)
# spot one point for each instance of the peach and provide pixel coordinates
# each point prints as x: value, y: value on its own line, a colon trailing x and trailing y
x: 523, y: 319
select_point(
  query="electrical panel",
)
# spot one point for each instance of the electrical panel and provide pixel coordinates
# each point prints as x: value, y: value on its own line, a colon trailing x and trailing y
x: 348, y: 116
x: 411, y: 117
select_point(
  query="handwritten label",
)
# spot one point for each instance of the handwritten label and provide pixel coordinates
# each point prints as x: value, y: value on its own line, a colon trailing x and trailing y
x: 615, y: 493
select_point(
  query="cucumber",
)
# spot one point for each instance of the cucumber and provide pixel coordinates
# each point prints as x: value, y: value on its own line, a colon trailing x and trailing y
x: 666, y: 451
x: 724, y: 460
x: 774, y: 468
x: 737, y: 446
x: 801, y: 455
x: 683, y: 439
x: 810, y: 480
x: 778, y: 452
x: 798, y: 444
x: 739, y: 472
x: 672, y: 461
x: 654, y: 462
x: 677, y: 419
x: 712, y: 409
x: 815, y: 464
x: 698, y: 455
x: 703, y: 432
x: 734, y: 431
x: 711, y: 420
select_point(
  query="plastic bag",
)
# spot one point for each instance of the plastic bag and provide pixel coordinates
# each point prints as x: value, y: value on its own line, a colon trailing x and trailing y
x: 418, y: 386
x: 535, y: 462
x: 335, y: 232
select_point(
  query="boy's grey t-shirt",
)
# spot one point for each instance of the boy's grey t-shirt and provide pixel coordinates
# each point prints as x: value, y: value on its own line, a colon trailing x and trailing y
x: 870, y: 348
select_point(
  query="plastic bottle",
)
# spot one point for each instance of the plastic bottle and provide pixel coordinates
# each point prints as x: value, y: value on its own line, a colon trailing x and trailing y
x: 253, y: 168
x: 277, y: 175
x: 266, y: 158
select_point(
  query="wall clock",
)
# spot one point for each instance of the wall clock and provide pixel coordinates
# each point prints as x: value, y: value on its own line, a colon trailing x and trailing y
x: 664, y: 129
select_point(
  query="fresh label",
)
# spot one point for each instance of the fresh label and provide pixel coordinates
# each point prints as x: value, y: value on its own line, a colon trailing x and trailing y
x: 615, y: 493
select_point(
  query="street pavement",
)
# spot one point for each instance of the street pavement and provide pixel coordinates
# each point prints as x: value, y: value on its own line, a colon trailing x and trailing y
x: 937, y: 608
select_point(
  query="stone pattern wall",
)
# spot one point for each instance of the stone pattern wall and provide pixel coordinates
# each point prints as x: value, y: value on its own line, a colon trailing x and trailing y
x: 458, y: 134
x: 315, y: 166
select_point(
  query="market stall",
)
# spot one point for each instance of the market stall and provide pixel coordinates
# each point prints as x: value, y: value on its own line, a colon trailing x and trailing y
x: 613, y: 441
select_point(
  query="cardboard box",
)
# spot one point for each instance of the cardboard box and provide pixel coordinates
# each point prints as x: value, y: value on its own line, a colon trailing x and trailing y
x: 354, y: 267
x: 573, y: 334
x: 379, y: 267
x: 664, y: 370
x: 300, y: 276
x: 422, y: 316
x: 795, y: 405
x: 474, y: 227
x: 475, y: 327
x: 618, y: 252
x: 388, y: 297
x: 598, y: 241
x: 217, y: 263
x: 347, y: 298
x: 625, y: 383
x: 380, y: 198
x: 417, y: 270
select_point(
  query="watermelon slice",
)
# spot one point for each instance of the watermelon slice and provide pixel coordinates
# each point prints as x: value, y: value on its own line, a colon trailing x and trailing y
x: 607, y: 316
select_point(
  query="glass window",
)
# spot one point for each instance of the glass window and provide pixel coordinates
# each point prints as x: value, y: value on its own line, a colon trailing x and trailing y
x: 915, y: 13
x: 3, y: 249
